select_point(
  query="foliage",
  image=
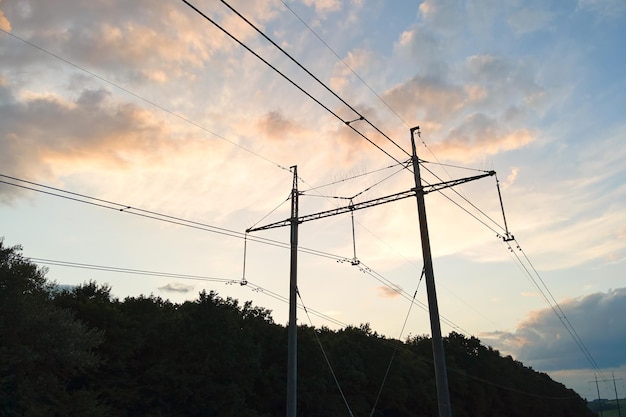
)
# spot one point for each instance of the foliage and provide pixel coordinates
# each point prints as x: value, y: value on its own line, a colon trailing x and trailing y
x: 85, y: 352
x: 44, y: 351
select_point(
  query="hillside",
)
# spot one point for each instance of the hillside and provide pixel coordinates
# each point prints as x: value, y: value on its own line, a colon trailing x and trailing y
x: 82, y: 352
x: 609, y: 408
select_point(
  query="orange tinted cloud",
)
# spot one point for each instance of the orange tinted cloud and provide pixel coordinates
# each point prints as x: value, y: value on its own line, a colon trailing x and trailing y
x: 388, y: 292
x: 4, y: 22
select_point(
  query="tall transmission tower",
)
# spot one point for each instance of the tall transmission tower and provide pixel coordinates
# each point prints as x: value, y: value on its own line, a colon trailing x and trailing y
x: 419, y: 191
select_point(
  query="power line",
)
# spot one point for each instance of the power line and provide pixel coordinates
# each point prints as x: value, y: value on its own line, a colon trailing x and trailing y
x: 423, y: 142
x: 345, y: 63
x: 364, y: 190
x: 382, y: 100
x: 330, y: 367
x: 144, y: 99
x: 204, y: 227
x: 351, y: 178
x: 259, y: 289
x: 346, y: 122
x: 224, y: 231
x: 361, y: 116
x: 142, y: 272
x: 554, y: 305
x: 82, y: 198
x: 187, y: 223
x: 468, y: 202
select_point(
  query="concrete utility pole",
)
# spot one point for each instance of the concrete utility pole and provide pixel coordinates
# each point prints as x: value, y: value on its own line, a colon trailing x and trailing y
x: 441, y: 377
x: 292, y: 339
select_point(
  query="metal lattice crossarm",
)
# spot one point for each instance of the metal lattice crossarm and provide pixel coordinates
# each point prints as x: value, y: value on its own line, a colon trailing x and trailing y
x: 371, y: 203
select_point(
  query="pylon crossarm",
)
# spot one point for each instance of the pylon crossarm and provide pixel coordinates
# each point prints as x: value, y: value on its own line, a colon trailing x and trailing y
x: 340, y: 210
x: 371, y: 203
x: 447, y: 184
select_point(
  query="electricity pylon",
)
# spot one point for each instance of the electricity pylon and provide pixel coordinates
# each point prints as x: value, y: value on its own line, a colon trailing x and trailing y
x: 419, y: 191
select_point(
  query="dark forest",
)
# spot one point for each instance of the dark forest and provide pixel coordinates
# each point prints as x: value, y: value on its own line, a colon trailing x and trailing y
x: 82, y: 352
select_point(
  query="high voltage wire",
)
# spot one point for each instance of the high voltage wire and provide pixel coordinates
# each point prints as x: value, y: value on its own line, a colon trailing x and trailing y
x: 255, y: 287
x: 364, y: 82
x: 296, y: 85
x: 81, y: 198
x: 553, y: 304
x: 361, y: 116
x: 345, y: 63
x: 378, y: 96
x: 351, y: 178
x: 259, y: 289
x: 551, y: 301
x: 182, y: 117
x: 208, y: 228
x: 319, y: 342
x: 201, y: 226
x: 144, y: 99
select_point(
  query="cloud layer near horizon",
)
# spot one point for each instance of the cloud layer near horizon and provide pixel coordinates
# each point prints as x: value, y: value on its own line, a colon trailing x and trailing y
x: 544, y: 341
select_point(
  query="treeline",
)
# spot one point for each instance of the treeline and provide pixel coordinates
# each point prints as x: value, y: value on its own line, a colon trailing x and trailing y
x: 84, y: 353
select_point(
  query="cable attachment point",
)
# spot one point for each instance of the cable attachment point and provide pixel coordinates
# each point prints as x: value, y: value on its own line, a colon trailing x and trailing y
x: 354, y: 261
x: 244, y: 281
x: 355, y: 120
x: 508, y: 237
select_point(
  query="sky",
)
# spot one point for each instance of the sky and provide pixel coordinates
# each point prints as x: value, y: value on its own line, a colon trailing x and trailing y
x: 148, y: 104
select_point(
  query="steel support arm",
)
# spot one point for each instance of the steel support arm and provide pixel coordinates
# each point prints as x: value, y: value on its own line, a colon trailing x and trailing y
x: 370, y: 203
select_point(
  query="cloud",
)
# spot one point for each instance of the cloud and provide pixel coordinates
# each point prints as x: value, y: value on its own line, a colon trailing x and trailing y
x: 444, y: 15
x: 603, y: 8
x: 275, y: 126
x: 481, y: 108
x: 430, y: 97
x: 4, y: 22
x: 510, y: 179
x: 527, y: 20
x: 128, y: 40
x: 324, y: 6
x: 542, y: 340
x: 478, y: 134
x: 42, y: 131
x: 177, y: 287
x: 388, y: 292
x: 357, y: 61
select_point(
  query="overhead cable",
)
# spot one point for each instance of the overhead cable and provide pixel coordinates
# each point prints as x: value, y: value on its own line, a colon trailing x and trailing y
x: 253, y: 286
x: 553, y: 304
x: 361, y: 116
x: 152, y: 103
x: 246, y: 47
